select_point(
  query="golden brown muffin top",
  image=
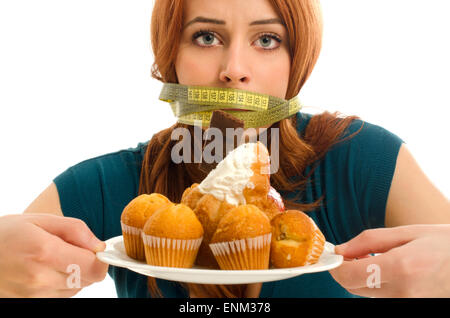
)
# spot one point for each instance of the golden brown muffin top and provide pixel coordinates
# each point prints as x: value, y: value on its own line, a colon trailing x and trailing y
x: 244, y: 221
x: 292, y: 225
x: 191, y: 196
x: 261, y: 170
x: 177, y: 221
x: 138, y: 210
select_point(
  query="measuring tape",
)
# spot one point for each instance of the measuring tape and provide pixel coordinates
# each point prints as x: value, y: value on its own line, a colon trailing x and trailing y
x: 195, y: 104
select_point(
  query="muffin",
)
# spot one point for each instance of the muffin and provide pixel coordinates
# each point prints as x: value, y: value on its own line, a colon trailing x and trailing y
x: 209, y: 211
x: 271, y: 203
x: 242, y: 239
x: 296, y: 240
x: 241, y: 178
x: 172, y: 237
x: 133, y: 219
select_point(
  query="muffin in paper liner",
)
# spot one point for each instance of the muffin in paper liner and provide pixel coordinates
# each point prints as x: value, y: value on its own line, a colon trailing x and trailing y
x: 132, y: 240
x: 296, y: 240
x: 160, y: 251
x: 318, y: 244
x: 243, y: 254
x: 133, y: 218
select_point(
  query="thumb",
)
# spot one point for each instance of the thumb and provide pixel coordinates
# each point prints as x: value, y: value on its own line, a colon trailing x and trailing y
x: 73, y: 231
x: 380, y: 240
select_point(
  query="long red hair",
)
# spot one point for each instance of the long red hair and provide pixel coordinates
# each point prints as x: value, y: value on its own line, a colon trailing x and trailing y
x: 303, y: 21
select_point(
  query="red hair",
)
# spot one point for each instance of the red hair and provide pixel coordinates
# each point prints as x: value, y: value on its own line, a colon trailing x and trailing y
x: 303, y: 22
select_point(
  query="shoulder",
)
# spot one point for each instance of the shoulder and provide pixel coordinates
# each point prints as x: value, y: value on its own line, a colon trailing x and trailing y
x: 122, y: 166
x: 371, y: 146
x: 361, y: 138
x: 367, y: 129
x: 368, y: 132
x: 369, y: 153
x: 360, y: 167
x: 100, y: 186
x: 128, y: 157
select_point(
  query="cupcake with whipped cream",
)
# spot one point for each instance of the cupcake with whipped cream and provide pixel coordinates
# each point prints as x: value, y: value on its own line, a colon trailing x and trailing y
x: 243, y: 177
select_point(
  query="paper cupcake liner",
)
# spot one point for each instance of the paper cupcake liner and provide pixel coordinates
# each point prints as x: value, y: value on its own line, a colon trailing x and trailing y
x: 317, y: 247
x: 244, y: 254
x: 132, y: 240
x: 160, y: 251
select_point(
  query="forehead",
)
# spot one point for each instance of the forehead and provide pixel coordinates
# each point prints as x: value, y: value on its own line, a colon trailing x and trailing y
x: 229, y: 10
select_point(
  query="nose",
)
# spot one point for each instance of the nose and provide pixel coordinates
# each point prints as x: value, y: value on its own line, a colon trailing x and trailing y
x: 235, y: 69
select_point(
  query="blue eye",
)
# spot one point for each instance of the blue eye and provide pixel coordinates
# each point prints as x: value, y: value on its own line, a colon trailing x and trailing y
x: 267, y: 39
x: 206, y: 35
x: 207, y: 38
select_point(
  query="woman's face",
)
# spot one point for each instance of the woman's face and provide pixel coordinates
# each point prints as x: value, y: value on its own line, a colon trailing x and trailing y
x: 235, y: 48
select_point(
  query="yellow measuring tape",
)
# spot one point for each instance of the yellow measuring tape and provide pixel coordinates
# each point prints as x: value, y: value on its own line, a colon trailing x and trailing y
x: 195, y: 104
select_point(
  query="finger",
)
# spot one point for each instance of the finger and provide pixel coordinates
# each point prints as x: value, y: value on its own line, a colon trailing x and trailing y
x: 54, y: 293
x: 381, y: 240
x: 66, y: 293
x: 66, y: 258
x: 359, y: 257
x: 63, y: 293
x: 384, y: 290
x: 75, y: 261
x: 363, y: 272
x: 45, y: 278
x: 71, y: 230
x: 44, y: 282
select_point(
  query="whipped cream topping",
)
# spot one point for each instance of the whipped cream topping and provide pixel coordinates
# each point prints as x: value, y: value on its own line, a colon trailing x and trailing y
x: 232, y: 175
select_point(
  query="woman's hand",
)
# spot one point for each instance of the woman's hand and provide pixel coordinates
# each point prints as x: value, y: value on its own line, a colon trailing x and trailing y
x: 44, y: 255
x: 414, y: 262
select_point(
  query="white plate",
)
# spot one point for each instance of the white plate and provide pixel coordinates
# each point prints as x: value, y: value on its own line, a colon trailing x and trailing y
x: 115, y: 254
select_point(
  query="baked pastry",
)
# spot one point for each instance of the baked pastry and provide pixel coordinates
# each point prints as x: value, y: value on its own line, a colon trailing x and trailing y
x: 296, y: 240
x: 172, y: 237
x: 242, y: 239
x: 133, y: 219
x: 241, y: 178
x: 270, y: 203
x: 209, y: 211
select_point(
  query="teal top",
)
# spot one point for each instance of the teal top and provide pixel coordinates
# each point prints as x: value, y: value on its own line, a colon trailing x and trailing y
x: 355, y: 176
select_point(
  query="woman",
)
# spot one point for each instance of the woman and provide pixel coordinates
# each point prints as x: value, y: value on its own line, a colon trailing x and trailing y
x: 349, y: 175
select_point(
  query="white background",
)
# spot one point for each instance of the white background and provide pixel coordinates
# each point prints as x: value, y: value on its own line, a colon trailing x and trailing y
x: 75, y: 83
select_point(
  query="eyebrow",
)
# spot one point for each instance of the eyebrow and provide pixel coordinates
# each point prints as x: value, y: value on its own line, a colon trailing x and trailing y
x: 221, y: 22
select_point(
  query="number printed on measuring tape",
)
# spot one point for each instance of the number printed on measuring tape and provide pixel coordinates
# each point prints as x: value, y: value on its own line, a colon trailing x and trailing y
x: 192, y: 104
